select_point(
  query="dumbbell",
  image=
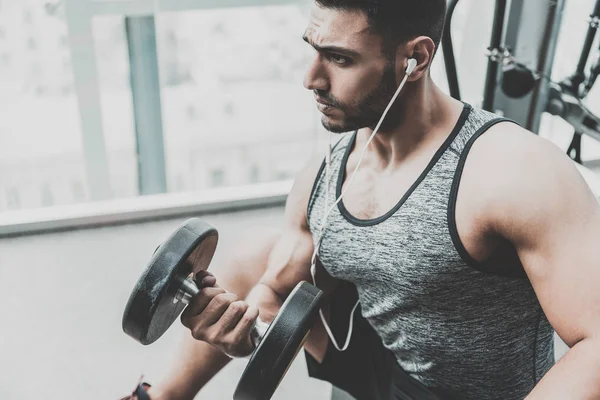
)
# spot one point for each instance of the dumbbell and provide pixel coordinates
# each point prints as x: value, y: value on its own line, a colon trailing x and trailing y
x: 167, y: 286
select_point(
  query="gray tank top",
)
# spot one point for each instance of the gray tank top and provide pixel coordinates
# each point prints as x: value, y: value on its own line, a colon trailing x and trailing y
x: 472, y: 330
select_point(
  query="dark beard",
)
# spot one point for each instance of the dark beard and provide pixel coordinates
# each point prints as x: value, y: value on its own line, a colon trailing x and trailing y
x: 369, y: 109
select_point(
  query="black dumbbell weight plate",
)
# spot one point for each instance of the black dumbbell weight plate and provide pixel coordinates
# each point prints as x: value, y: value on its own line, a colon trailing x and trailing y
x: 280, y: 345
x: 152, y: 307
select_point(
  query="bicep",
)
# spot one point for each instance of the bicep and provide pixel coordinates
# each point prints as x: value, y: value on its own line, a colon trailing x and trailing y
x: 563, y: 265
x: 290, y: 260
x: 553, y: 219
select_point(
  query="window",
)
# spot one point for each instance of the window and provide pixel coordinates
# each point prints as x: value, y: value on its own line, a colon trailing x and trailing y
x: 31, y: 43
x: 255, y: 174
x: 63, y: 41
x: 117, y: 104
x: 13, y: 201
x: 77, y: 191
x: 40, y: 134
x: 47, y: 195
x: 28, y: 15
x: 217, y: 177
x: 226, y: 95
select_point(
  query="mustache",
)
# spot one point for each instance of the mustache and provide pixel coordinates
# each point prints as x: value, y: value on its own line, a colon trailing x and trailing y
x: 327, y: 98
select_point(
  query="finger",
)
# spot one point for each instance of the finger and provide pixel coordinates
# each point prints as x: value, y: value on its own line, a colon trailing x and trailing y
x: 205, y: 279
x: 217, y: 307
x: 199, y: 303
x: 245, y: 325
x: 232, y: 316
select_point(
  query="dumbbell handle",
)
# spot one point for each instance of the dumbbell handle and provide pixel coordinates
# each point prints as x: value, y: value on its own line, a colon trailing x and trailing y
x: 189, y: 289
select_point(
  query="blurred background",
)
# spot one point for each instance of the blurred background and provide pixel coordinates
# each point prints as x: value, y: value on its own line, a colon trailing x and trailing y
x: 229, y: 92
x: 104, y: 101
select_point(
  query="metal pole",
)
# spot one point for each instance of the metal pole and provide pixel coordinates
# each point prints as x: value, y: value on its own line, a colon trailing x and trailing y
x: 491, y: 78
x: 579, y: 76
x: 539, y: 98
x: 145, y: 88
x: 531, y: 34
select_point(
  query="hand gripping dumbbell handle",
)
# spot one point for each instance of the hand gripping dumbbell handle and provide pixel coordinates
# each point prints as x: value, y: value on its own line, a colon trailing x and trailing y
x: 189, y: 289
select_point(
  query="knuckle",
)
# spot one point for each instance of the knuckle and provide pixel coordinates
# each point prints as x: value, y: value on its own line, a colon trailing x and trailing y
x: 220, y: 299
x: 214, y: 338
x: 211, y: 292
x: 238, y: 307
x: 234, y: 297
x: 198, y: 334
x: 225, y: 298
x: 248, y: 319
x: 230, y: 346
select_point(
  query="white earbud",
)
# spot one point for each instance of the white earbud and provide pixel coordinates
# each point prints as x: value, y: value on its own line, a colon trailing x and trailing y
x: 412, y: 64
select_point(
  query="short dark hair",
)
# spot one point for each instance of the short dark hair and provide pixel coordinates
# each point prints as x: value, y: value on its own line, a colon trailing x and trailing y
x: 398, y: 21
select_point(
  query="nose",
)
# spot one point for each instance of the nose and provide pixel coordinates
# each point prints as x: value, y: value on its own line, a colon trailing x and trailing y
x: 316, y: 77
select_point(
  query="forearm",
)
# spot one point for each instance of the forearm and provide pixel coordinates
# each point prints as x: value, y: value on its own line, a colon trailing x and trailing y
x: 266, y: 300
x: 576, y: 376
x: 196, y: 364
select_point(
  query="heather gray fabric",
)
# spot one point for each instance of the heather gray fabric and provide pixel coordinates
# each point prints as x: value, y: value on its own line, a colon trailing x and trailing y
x: 473, y: 331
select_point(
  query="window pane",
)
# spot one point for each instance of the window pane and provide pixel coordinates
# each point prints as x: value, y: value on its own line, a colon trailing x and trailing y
x: 235, y: 111
x: 41, y: 160
x: 117, y: 105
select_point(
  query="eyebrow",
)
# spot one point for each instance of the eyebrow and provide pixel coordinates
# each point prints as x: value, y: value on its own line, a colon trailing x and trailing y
x: 335, y: 49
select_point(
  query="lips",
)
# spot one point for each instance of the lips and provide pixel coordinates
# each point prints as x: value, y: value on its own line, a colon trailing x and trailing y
x: 322, y: 102
x: 325, y: 110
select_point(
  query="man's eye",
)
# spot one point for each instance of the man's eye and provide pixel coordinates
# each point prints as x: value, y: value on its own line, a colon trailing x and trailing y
x: 341, y: 60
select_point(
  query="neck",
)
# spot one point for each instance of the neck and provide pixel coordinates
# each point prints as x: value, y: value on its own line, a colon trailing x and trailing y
x: 428, y: 115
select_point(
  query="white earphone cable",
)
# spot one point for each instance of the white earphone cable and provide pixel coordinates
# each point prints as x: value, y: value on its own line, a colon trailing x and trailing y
x: 327, y: 210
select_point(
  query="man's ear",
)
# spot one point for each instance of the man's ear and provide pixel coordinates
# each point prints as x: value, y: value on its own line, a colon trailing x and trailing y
x: 421, y: 49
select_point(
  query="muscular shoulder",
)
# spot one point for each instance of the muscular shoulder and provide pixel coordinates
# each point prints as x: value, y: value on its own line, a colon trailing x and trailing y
x: 507, y: 155
x: 514, y: 179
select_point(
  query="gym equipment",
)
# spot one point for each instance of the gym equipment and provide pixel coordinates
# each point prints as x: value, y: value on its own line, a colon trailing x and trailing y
x: 167, y: 286
x: 517, y: 80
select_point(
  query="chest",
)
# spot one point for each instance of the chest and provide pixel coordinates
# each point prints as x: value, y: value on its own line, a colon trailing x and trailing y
x: 407, y: 257
x: 375, y: 190
x: 409, y: 243
x: 371, y: 195
x: 420, y: 203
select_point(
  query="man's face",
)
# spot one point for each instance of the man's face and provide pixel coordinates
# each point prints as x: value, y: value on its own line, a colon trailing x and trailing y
x: 349, y: 71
